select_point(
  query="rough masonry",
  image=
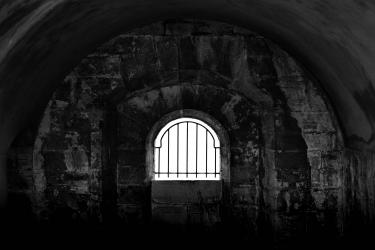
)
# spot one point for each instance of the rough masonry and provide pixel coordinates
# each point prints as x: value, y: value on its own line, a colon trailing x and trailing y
x: 285, y: 143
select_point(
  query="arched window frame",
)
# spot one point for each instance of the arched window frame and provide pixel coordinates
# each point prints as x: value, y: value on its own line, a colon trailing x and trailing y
x: 211, y: 168
x: 215, y: 126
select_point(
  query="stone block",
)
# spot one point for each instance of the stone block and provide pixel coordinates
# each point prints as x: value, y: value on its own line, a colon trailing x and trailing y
x: 244, y: 195
x: 188, y: 53
x: 170, y: 214
x: 98, y: 66
x: 209, y: 77
x: 326, y: 199
x: 224, y: 55
x: 167, y: 53
x: 292, y: 167
x: 179, y: 27
x: 244, y: 174
x: 131, y: 214
x: 203, y: 214
x: 131, y: 174
x: 139, y: 67
x: 154, y: 29
x: 132, y: 194
x: 182, y: 192
x: 131, y: 157
x: 289, y: 140
x: 321, y: 141
x: 57, y: 160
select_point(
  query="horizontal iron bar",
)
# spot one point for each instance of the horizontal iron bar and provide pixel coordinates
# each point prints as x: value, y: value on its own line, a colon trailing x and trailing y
x: 186, y: 173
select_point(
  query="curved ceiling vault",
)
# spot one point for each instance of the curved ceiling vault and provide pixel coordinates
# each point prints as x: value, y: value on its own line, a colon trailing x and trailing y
x: 42, y: 40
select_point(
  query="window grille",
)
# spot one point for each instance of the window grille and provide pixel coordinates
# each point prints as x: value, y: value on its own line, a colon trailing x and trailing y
x: 187, y: 149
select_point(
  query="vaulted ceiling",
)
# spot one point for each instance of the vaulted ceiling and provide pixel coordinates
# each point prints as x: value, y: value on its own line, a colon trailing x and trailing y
x: 42, y: 40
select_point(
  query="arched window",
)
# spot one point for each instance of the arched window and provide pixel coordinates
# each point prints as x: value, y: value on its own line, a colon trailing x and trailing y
x: 187, y: 149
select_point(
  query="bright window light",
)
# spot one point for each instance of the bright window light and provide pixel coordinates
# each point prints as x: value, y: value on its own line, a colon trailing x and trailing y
x: 187, y: 149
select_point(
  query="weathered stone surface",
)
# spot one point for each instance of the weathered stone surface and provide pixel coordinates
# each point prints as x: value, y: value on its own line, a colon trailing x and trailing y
x: 130, y: 174
x: 285, y: 145
x: 194, y: 192
x: 132, y: 194
x: 176, y: 215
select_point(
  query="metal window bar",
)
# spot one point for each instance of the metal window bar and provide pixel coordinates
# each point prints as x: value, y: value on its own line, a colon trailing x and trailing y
x: 159, y: 163
x: 178, y: 146
x: 187, y: 150
x: 215, y: 162
x: 201, y: 173
x: 187, y: 173
x: 196, y: 150
x: 207, y: 151
x: 168, y: 153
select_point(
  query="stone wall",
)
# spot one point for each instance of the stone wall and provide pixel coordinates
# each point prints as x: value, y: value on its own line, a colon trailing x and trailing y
x: 286, y: 147
x: 359, y: 192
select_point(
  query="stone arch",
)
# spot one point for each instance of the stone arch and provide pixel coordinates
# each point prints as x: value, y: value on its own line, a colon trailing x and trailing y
x: 302, y: 39
x: 251, y: 90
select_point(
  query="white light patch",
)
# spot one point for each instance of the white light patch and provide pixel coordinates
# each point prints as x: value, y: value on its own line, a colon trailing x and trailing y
x: 187, y: 149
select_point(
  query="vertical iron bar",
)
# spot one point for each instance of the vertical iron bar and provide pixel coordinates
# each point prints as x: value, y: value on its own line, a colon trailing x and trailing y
x: 215, y: 160
x: 178, y: 147
x: 206, y: 149
x: 187, y: 149
x: 168, y: 155
x: 159, y: 162
x: 196, y: 151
